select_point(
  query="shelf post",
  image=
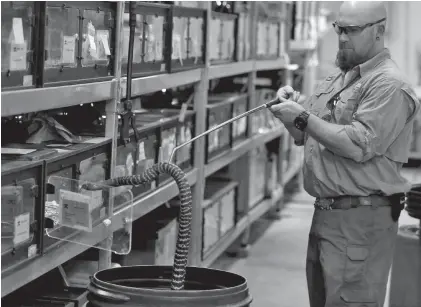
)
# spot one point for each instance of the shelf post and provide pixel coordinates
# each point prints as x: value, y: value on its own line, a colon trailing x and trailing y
x: 111, y: 128
x: 200, y: 102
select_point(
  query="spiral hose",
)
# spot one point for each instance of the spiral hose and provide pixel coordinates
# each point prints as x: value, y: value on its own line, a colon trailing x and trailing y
x: 185, y: 215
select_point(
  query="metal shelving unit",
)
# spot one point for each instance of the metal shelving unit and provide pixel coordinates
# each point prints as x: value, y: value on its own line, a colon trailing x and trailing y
x: 17, y: 102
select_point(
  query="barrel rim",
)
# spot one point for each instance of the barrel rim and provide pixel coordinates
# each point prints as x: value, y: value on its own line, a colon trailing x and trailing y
x: 106, y: 285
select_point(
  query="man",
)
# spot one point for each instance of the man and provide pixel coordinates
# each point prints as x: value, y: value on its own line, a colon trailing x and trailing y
x: 356, y: 131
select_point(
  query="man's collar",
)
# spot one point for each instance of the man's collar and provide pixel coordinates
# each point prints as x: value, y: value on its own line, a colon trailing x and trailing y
x: 372, y: 63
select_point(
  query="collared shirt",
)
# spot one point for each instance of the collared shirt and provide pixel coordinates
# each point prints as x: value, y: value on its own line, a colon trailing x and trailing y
x: 376, y: 108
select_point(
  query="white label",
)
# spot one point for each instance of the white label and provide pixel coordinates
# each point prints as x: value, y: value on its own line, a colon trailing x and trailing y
x: 21, y: 233
x: 163, y: 67
x: 95, y: 196
x: 18, y: 31
x: 104, y: 41
x: 183, y: 111
x: 32, y: 251
x: 27, y: 80
x: 75, y: 211
x: 18, y: 56
x: 142, y: 154
x: 68, y: 49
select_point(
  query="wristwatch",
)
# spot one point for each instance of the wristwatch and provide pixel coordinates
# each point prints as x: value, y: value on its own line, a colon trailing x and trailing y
x: 300, y: 122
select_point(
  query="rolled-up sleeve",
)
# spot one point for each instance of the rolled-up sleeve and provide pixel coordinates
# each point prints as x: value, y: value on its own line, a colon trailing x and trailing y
x: 380, y: 117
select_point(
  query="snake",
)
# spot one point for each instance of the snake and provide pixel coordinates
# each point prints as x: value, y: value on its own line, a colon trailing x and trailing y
x: 185, y: 214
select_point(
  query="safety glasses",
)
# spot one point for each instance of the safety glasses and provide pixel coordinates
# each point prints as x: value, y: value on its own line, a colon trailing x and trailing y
x: 353, y: 30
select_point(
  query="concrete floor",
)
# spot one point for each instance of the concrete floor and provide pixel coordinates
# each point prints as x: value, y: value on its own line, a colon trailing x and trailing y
x: 275, y: 267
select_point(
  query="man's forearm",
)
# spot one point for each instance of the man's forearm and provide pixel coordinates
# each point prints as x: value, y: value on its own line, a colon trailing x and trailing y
x: 334, y: 138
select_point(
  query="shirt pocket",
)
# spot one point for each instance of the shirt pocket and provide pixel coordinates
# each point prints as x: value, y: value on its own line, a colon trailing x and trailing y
x: 346, y: 107
x: 321, y: 97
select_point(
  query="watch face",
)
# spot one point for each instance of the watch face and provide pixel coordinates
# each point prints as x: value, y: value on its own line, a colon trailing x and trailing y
x: 300, y: 123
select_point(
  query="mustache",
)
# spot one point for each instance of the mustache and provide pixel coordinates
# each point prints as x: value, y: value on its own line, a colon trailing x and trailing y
x: 344, y: 46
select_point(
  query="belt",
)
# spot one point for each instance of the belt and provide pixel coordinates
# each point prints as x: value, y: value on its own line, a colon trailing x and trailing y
x: 348, y: 202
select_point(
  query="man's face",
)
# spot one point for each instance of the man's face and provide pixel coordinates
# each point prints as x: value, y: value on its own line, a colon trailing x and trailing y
x: 354, y: 47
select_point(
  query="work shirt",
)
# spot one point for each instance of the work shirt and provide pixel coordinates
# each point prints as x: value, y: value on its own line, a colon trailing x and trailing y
x: 377, y: 109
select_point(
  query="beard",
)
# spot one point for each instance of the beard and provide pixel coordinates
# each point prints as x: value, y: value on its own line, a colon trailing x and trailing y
x: 346, y: 59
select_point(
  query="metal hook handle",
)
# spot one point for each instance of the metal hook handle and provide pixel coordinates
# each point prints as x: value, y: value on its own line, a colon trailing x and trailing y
x: 267, y: 105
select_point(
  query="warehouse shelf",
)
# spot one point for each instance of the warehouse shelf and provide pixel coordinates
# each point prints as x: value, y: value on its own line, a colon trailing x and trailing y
x: 240, y: 150
x: 231, y: 69
x: 271, y: 64
x: 65, y: 251
x: 156, y: 83
x: 112, y: 91
x: 225, y: 242
x: 253, y: 215
x: 14, y: 102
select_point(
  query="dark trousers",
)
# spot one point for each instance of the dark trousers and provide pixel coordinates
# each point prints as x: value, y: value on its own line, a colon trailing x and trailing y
x: 349, y: 256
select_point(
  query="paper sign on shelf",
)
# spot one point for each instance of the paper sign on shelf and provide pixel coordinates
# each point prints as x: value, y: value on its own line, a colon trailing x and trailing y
x: 21, y: 233
x: 104, y: 41
x: 17, y: 56
x: 18, y: 31
x: 142, y: 154
x: 92, y: 44
x: 75, y: 210
x: 68, y: 49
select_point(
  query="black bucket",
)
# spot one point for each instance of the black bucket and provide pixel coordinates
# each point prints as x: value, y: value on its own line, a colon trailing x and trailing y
x: 139, y: 286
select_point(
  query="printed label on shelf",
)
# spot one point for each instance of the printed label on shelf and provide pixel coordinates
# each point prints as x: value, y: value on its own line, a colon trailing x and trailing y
x: 27, y: 80
x: 18, y: 56
x: 142, y: 154
x: 96, y: 198
x: 183, y: 111
x: 75, y: 211
x: 18, y: 31
x: 68, y: 49
x: 104, y: 41
x: 32, y: 251
x: 21, y: 233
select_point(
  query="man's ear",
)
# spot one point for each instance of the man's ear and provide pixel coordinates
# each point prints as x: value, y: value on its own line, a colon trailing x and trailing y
x: 381, y: 30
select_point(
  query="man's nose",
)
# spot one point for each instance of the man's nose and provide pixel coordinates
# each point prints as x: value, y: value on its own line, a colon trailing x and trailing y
x: 343, y: 37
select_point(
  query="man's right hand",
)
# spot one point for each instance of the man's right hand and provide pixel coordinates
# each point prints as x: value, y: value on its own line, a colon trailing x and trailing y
x: 287, y: 92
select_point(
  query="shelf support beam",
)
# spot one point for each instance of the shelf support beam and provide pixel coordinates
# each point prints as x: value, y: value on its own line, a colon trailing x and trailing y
x: 200, y: 102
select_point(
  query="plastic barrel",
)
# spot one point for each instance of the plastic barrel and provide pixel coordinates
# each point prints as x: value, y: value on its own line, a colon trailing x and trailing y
x: 138, y: 286
x: 405, y: 283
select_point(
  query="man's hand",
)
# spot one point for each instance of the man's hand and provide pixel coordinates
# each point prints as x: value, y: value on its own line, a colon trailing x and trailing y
x: 287, y: 111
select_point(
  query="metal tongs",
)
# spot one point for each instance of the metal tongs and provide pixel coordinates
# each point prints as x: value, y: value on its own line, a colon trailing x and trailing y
x: 295, y: 97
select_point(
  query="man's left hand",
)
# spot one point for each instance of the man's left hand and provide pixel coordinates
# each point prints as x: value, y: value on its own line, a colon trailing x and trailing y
x: 287, y: 111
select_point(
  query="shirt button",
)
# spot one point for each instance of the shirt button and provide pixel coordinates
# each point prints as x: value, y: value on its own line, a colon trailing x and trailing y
x: 311, y: 149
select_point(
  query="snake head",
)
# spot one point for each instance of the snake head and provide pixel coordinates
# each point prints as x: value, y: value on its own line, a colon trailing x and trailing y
x: 91, y: 186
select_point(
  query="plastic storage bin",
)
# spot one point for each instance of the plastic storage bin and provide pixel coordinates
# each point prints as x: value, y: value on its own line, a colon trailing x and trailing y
x: 21, y: 212
x: 86, y: 162
x: 268, y: 37
x: 219, y: 213
x: 79, y: 42
x: 151, y: 47
x: 240, y: 105
x: 18, y: 44
x: 138, y: 155
x: 222, y: 37
x: 188, y: 38
x: 258, y: 172
x: 218, y: 111
x: 243, y: 31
